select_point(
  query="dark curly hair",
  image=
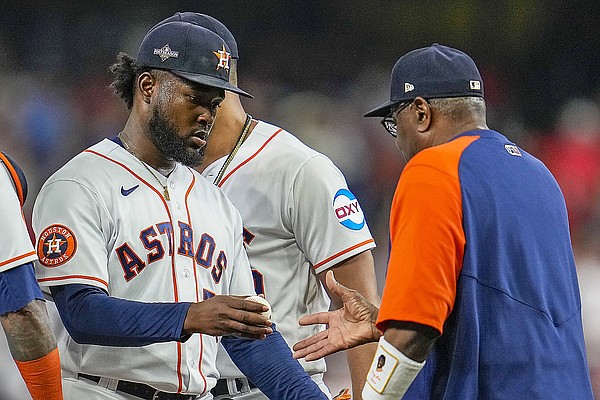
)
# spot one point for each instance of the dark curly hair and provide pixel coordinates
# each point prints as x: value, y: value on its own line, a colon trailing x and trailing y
x: 125, y: 72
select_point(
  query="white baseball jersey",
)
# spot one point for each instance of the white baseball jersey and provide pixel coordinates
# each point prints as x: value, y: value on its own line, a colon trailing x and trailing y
x: 15, y: 244
x: 101, y: 220
x: 299, y: 219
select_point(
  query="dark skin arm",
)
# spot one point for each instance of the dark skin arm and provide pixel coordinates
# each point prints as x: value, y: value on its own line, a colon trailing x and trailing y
x: 357, y: 273
x: 28, y: 332
x: 227, y: 315
x: 415, y: 341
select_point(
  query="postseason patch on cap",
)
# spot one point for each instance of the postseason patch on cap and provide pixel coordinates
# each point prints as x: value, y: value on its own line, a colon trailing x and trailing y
x: 165, y: 53
x: 347, y: 210
x: 56, y: 246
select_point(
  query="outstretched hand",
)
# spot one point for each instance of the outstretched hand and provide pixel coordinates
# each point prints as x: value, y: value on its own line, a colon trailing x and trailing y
x: 228, y: 315
x: 349, y: 326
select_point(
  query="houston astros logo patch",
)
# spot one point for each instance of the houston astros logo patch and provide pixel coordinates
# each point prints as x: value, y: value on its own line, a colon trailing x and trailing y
x: 223, y: 57
x: 347, y: 210
x: 56, y: 245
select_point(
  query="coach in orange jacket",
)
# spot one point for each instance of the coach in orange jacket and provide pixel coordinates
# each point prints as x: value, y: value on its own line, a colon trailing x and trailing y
x: 481, y: 298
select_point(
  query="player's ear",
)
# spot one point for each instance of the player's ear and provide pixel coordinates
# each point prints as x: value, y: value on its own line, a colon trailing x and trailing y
x: 145, y: 84
x: 423, y: 114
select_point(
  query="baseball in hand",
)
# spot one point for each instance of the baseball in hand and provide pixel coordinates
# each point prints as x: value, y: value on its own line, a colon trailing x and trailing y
x: 258, y: 299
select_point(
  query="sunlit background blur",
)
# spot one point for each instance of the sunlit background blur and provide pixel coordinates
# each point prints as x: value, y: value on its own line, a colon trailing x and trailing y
x: 314, y: 68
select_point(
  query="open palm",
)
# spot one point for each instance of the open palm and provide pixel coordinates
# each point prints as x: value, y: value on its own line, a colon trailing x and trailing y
x: 347, y: 327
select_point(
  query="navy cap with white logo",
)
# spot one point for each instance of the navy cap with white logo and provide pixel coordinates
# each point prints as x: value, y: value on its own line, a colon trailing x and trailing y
x: 431, y: 72
x: 208, y: 22
x: 189, y: 51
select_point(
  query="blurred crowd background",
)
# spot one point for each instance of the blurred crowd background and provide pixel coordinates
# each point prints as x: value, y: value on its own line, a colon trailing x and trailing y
x: 315, y: 67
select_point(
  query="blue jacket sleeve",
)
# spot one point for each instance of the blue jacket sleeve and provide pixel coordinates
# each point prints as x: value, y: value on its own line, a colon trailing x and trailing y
x: 279, y: 375
x: 91, y: 316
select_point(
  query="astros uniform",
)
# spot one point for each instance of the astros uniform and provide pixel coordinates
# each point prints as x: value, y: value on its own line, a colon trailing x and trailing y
x: 481, y: 252
x: 101, y: 220
x: 15, y: 245
x: 299, y: 219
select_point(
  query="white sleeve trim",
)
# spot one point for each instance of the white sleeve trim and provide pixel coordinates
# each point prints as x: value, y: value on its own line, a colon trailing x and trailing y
x: 344, y: 255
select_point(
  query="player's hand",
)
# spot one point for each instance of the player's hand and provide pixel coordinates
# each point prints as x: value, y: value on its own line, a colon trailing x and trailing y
x: 228, y: 315
x: 349, y: 326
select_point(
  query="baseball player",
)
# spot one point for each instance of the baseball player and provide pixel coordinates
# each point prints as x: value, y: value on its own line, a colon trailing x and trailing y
x: 22, y: 309
x: 300, y: 220
x: 142, y: 254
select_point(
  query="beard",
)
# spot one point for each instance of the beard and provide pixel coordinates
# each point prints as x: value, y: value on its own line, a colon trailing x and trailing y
x: 164, y: 136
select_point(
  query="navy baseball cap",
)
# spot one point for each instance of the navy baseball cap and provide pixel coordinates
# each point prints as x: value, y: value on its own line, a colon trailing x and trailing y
x: 208, y: 22
x: 189, y: 51
x: 431, y: 72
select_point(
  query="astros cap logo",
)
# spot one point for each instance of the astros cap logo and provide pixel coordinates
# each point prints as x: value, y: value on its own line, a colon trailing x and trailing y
x: 223, y: 57
x: 56, y: 246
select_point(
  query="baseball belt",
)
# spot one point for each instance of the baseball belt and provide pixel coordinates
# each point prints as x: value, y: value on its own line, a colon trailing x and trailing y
x: 142, y: 390
x: 242, y: 385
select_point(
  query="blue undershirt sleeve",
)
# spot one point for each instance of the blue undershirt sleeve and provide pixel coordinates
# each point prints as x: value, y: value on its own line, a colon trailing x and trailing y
x: 279, y: 375
x: 18, y: 287
x: 91, y: 316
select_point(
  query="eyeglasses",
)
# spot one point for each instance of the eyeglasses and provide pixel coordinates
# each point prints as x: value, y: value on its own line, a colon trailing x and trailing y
x: 389, y: 122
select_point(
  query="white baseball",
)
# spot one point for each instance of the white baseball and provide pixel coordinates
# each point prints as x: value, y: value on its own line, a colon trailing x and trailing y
x: 261, y: 300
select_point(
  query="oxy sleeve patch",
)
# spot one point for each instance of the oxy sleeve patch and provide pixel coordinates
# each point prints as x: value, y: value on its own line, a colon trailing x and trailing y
x: 347, y: 210
x: 57, y: 245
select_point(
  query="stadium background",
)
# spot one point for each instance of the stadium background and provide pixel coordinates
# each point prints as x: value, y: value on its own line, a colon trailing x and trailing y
x: 315, y: 67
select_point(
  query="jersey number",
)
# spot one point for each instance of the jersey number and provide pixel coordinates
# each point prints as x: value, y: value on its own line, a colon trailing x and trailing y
x: 259, y: 281
x: 259, y: 285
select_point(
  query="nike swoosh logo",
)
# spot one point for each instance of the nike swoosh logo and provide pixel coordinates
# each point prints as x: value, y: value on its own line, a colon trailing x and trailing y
x: 127, y: 192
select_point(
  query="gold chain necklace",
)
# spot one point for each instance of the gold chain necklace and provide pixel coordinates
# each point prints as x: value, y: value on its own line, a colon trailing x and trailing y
x: 235, y: 149
x: 165, y: 190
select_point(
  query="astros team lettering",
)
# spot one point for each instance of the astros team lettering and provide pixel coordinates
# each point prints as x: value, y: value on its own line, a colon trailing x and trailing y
x: 204, y: 254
